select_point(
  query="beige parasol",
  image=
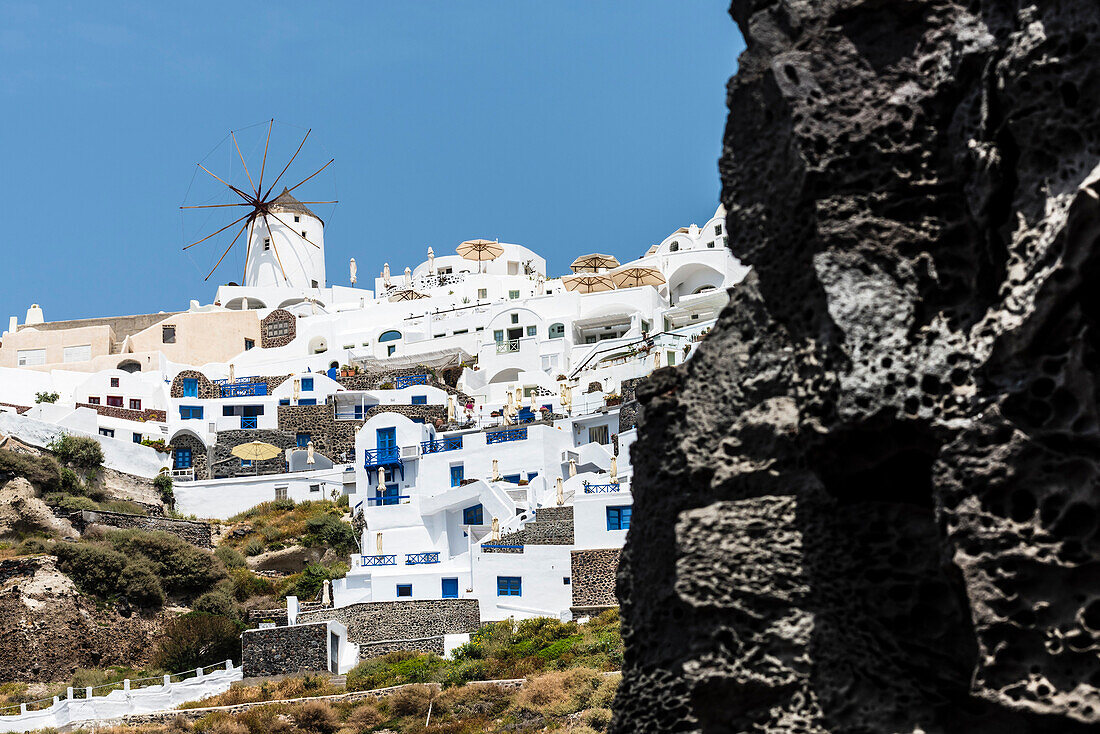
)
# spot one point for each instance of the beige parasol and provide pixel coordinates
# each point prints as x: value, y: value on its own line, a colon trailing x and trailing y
x: 231, y: 375
x: 297, y: 389
x: 614, y: 469
x: 309, y: 453
x: 354, y: 270
x: 381, y: 477
x: 378, y: 542
x: 587, y: 283
x: 561, y: 493
x: 386, y: 273
x: 634, y: 276
x: 593, y: 263
x: 450, y: 408
x: 496, y: 470
x: 406, y: 294
x: 256, y: 451
x: 408, y: 274
x: 431, y: 261
x: 572, y: 467
x: 519, y: 397
x: 496, y: 528
x: 480, y: 250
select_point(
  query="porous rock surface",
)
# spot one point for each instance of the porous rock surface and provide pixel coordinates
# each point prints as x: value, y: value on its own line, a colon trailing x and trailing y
x: 870, y: 502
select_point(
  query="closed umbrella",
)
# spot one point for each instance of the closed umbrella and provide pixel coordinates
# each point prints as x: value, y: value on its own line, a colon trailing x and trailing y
x: 354, y: 270
x: 231, y: 377
x: 381, y: 478
x: 378, y: 542
x: 309, y: 453
x: 614, y: 469
x: 588, y: 283
x: 386, y: 274
x: 297, y: 389
x: 431, y: 261
x: 480, y: 250
x: 496, y: 528
x: 593, y: 263
x: 519, y: 396
x: 450, y: 408
x: 408, y: 275
x: 572, y: 467
x: 561, y: 492
x: 656, y: 359
x: 635, y: 276
x: 496, y: 470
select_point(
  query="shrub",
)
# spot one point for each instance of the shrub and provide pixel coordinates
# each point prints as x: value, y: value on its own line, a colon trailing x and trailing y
x: 140, y: 585
x: 217, y: 602
x: 308, y: 583
x: 70, y: 482
x: 229, y: 557
x: 598, y: 719
x: 316, y: 716
x: 195, y: 639
x: 247, y: 584
x: 394, y: 669
x: 281, y: 505
x: 46, y: 397
x: 80, y: 451
x: 181, y: 567
x: 40, y: 471
x: 96, y: 568
x: 365, y: 718
x: 411, y: 701
x: 71, y: 502
x: 329, y: 530
x: 253, y: 547
x: 163, y: 485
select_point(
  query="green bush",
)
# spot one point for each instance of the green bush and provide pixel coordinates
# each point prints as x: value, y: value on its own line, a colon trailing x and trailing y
x: 80, y: 451
x: 71, y: 502
x: 217, y: 602
x: 163, y: 485
x: 196, y: 639
x: 46, y: 397
x: 96, y: 568
x: 307, y: 584
x: 396, y: 668
x: 229, y: 557
x: 331, y: 531
x: 70, y: 482
x: 41, y: 471
x: 253, y: 547
x: 182, y: 568
x: 316, y: 716
x: 140, y: 585
x: 281, y: 505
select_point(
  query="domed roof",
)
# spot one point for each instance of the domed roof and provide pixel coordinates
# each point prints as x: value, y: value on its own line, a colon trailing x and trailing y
x: 285, y: 202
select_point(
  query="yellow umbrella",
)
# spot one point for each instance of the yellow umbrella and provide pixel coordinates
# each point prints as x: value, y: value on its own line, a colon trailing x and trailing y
x: 592, y: 263
x: 480, y: 250
x: 587, y: 283
x: 256, y: 451
x: 406, y: 295
x: 634, y: 276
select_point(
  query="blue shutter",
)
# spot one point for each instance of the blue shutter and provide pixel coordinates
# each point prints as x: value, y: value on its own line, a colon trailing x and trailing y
x: 457, y: 475
x: 190, y: 387
x: 450, y: 589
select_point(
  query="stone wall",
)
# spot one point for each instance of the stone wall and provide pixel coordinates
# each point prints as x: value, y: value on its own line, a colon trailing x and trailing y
x: 194, y: 532
x: 282, y: 650
x: 147, y: 414
x: 278, y: 616
x: 541, y: 532
x: 628, y: 409
x: 330, y: 437
x: 554, y: 513
x: 383, y: 621
x: 198, y: 453
x: 277, y: 316
x: 19, y: 409
x: 592, y: 577
x: 225, y: 464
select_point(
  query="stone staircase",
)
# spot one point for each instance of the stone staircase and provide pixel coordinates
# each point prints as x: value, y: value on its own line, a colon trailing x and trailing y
x: 552, y: 526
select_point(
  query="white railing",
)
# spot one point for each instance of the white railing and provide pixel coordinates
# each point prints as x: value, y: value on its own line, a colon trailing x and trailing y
x: 122, y: 699
x: 183, y: 475
x: 506, y: 347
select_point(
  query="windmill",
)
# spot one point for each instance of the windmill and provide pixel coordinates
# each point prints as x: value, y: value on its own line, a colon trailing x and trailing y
x: 261, y: 205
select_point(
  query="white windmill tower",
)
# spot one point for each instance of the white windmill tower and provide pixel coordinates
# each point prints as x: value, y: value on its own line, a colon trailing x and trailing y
x: 287, y: 246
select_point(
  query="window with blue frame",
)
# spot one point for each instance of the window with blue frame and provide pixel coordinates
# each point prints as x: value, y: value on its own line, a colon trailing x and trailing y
x: 190, y: 412
x: 511, y: 478
x: 531, y: 475
x: 404, y: 589
x: 182, y: 459
x: 618, y: 518
x: 190, y: 387
x: 307, y: 384
x: 227, y: 410
x: 284, y: 401
x: 386, y: 443
x: 302, y: 440
x: 473, y: 515
x: 450, y: 589
x: 509, y: 586
x: 389, y: 336
x: 307, y: 401
x: 246, y: 463
x: 419, y: 399
x: 458, y: 473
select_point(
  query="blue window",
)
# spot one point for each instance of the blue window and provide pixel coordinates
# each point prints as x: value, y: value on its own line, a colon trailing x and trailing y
x: 307, y: 384
x: 307, y: 401
x: 531, y: 475
x: 389, y: 336
x: 387, y: 443
x: 512, y: 478
x: 404, y: 589
x: 473, y: 515
x: 509, y: 586
x: 450, y: 589
x: 246, y: 463
x: 190, y: 412
x: 388, y: 496
x: 183, y: 459
x: 420, y: 400
x: 137, y: 438
x: 190, y: 387
x: 458, y: 473
x: 618, y: 518
x: 227, y: 410
x: 302, y: 440
x: 284, y: 401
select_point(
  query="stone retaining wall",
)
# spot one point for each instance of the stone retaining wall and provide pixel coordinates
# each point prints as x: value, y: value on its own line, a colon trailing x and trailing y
x: 279, y: 650
x: 194, y: 532
x: 592, y: 574
x: 542, y: 532
x: 387, y: 621
x: 330, y: 437
x: 278, y: 616
x: 628, y: 410
x: 553, y: 513
x: 111, y: 411
x: 377, y: 649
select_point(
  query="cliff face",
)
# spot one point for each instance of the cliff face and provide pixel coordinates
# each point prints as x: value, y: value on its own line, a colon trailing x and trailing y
x: 870, y: 503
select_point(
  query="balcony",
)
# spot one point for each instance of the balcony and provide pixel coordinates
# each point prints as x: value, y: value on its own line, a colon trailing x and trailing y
x: 244, y: 390
x: 183, y: 475
x: 393, y: 499
x: 601, y: 488
x: 416, y: 559
x: 507, y: 347
x: 378, y: 560
x: 237, y: 381
x: 248, y: 422
x: 452, y: 443
x: 409, y: 380
x: 510, y: 434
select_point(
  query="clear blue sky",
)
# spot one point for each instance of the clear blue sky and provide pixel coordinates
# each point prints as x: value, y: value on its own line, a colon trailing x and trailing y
x: 564, y: 126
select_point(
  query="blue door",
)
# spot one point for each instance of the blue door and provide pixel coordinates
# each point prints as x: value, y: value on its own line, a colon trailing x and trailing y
x: 458, y: 473
x: 388, y: 496
x: 387, y: 443
x: 450, y: 588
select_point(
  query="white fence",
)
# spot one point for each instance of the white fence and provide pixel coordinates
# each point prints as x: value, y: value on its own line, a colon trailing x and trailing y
x: 127, y: 697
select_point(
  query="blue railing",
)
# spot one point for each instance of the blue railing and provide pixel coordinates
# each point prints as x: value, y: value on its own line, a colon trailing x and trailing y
x: 237, y: 380
x: 414, y: 559
x: 393, y: 499
x: 378, y: 561
x: 407, y: 380
x: 601, y: 488
x: 248, y: 421
x: 451, y: 443
x: 510, y: 434
x: 244, y: 390
x: 382, y: 456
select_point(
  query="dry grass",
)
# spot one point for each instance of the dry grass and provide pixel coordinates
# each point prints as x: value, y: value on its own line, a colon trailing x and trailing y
x: 285, y: 689
x: 316, y: 717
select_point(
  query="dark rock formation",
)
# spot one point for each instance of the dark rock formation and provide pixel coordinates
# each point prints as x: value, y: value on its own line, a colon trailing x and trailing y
x: 870, y: 502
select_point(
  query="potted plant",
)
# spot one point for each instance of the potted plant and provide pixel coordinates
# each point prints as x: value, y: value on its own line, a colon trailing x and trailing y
x: 612, y: 399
